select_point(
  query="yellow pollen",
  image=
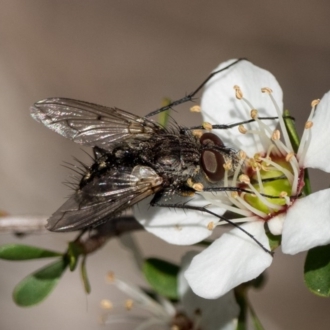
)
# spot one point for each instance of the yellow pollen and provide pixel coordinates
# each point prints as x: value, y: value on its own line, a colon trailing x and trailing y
x: 227, y: 165
x: 244, y: 178
x: 257, y: 157
x: 308, y: 124
x: 198, y: 186
x: 207, y: 126
x: 175, y: 327
x: 234, y: 194
x: 129, y: 304
x: 289, y: 156
x: 210, y: 225
x: 190, y: 182
x: 315, y: 102
x: 276, y: 135
x: 110, y: 277
x: 198, y: 133
x: 238, y: 92
x: 242, y: 154
x: 242, y: 129
x: 195, y: 108
x: 266, y: 90
x: 254, y: 113
x: 283, y: 194
x: 256, y: 166
x: 106, y: 304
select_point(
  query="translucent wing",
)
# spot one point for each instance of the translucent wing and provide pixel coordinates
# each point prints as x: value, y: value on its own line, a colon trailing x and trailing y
x: 104, y: 198
x: 92, y: 124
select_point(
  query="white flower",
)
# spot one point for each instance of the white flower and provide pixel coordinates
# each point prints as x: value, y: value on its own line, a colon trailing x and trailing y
x: 304, y: 223
x: 268, y: 167
x: 192, y: 311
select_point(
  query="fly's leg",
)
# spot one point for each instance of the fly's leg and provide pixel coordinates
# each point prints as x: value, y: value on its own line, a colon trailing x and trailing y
x: 204, y: 209
x: 190, y: 96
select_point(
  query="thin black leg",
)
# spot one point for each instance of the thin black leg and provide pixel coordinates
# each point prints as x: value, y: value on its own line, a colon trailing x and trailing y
x: 190, y: 96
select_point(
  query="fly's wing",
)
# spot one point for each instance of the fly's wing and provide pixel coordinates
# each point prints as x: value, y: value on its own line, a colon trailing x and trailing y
x: 104, y: 198
x: 91, y: 124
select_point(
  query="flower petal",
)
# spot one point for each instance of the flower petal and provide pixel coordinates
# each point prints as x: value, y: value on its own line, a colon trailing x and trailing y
x: 220, y: 106
x: 307, y: 223
x: 232, y: 259
x: 215, y: 314
x: 318, y: 153
x: 177, y: 226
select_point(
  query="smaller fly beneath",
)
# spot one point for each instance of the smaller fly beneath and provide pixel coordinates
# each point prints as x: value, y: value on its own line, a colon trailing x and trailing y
x: 134, y: 158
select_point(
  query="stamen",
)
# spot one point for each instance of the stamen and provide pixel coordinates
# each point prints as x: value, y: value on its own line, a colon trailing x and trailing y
x: 238, y: 92
x: 242, y: 129
x: 280, y: 118
x: 261, y: 186
x: 251, y: 208
x: 210, y: 226
x: 286, y: 172
x: 306, y: 137
x: 207, y: 126
x: 254, y: 113
x: 106, y: 304
x: 195, y: 108
x: 129, y: 304
x: 198, y: 186
x: 198, y: 133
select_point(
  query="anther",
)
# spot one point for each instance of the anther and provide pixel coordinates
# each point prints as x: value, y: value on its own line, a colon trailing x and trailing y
x: 242, y: 155
x: 195, y: 108
x: 308, y: 124
x: 110, y: 277
x: 289, y: 156
x: 283, y: 194
x: 210, y: 225
x: 257, y: 157
x: 243, y: 178
x: 207, y: 126
x: 242, y: 129
x: 198, y: 186
x: 129, y: 304
x: 190, y: 182
x: 266, y: 90
x: 198, y: 133
x: 276, y: 135
x: 238, y: 92
x: 254, y: 114
x: 106, y: 304
x: 234, y: 194
x: 315, y: 103
x: 228, y: 165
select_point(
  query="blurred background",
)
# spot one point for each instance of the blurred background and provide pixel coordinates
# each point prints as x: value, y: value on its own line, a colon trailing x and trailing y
x: 131, y: 54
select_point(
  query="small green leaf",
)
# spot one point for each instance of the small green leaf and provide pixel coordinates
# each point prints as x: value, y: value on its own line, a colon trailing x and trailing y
x: 274, y: 240
x: 84, y: 276
x: 317, y: 270
x: 162, y: 276
x: 25, y: 252
x: 37, y: 286
x: 163, y: 116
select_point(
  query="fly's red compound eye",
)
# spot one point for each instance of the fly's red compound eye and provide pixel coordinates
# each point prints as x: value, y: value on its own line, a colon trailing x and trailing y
x: 210, y: 139
x: 212, y: 164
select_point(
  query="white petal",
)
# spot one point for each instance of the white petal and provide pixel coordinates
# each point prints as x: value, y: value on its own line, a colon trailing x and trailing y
x: 275, y: 224
x: 177, y: 226
x: 215, y: 314
x: 307, y: 223
x: 232, y: 259
x: 220, y: 106
x: 318, y: 153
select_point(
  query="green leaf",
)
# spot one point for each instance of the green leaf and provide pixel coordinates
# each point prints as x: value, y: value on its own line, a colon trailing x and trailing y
x: 317, y: 270
x: 163, y: 116
x: 162, y: 276
x: 37, y: 286
x: 25, y: 252
x: 83, y: 272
